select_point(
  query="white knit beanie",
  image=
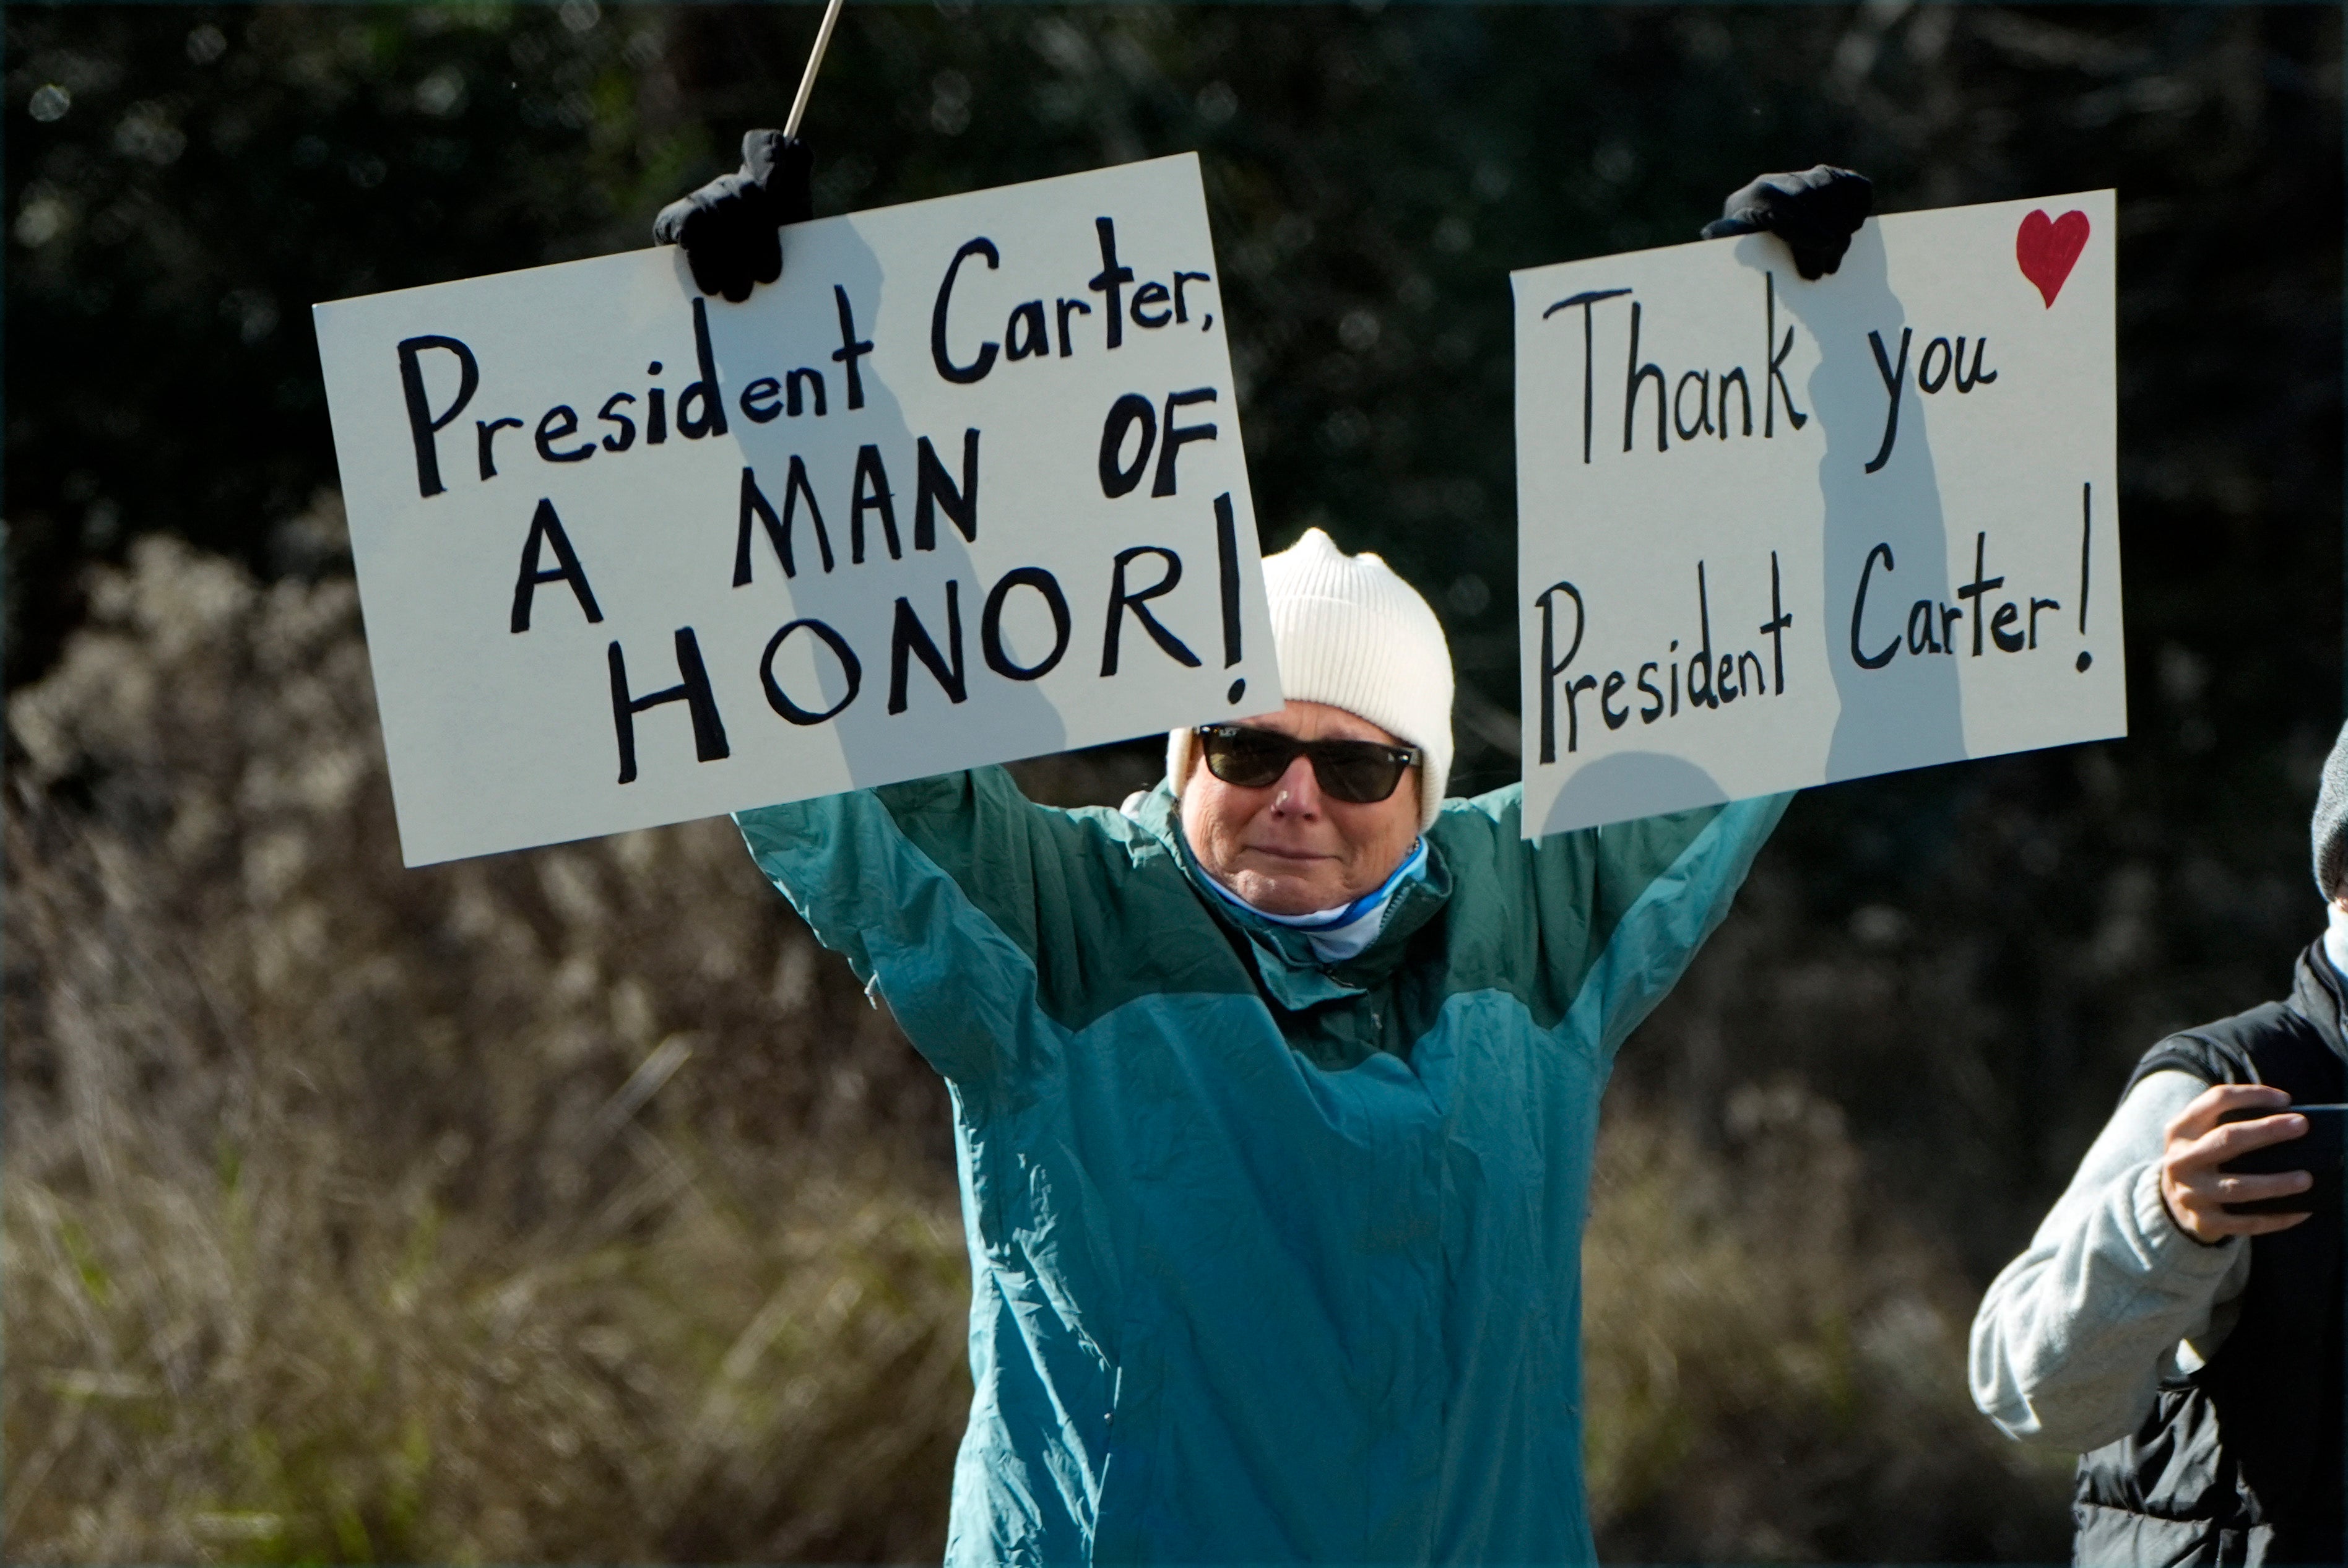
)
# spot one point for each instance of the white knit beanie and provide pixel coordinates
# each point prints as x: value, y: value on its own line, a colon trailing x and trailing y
x: 1352, y: 634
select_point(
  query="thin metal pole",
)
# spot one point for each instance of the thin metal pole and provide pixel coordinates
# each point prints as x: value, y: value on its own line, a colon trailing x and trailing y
x: 815, y: 60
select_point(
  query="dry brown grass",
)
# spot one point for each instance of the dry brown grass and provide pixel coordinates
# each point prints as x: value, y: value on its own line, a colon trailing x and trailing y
x: 1775, y: 1363
x: 573, y: 1205
x: 568, y: 1205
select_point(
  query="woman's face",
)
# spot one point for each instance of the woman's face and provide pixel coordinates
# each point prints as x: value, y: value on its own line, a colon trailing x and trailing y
x: 1288, y: 848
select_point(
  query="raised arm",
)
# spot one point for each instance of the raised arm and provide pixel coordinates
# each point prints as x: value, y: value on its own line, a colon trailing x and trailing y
x: 1664, y: 884
x: 983, y: 917
x: 932, y: 890
x: 1591, y: 928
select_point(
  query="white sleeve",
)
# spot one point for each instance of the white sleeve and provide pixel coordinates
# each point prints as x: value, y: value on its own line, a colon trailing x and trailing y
x: 2073, y: 1337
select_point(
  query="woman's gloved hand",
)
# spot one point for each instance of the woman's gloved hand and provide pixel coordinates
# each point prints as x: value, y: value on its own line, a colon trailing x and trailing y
x: 1816, y: 212
x: 727, y: 227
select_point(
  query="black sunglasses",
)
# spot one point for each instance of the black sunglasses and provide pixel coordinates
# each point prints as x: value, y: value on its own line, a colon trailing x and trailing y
x: 1360, y: 772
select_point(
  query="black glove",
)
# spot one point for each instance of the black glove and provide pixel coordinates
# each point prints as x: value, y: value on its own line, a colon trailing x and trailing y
x: 727, y: 227
x: 1815, y: 211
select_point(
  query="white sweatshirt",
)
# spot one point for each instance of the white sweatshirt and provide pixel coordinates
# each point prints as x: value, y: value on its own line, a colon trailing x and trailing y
x: 2074, y: 1336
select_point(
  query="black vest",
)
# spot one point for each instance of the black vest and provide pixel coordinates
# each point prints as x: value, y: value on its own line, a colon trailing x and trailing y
x: 2242, y: 1461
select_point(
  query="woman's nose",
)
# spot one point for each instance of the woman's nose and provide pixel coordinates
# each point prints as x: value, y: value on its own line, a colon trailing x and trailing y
x: 1299, y: 791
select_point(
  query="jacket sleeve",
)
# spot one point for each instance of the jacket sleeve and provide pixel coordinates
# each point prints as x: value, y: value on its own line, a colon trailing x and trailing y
x: 2073, y: 1337
x: 1598, y: 923
x: 970, y: 908
x: 1663, y: 885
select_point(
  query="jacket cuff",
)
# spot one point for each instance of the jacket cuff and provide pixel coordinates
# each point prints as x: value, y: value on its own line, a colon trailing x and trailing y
x: 2167, y: 1242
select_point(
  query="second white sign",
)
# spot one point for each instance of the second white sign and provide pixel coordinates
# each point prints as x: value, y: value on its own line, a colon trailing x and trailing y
x: 1775, y: 534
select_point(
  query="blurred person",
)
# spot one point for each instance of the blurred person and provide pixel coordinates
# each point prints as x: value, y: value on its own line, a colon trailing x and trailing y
x: 2194, y: 1350
x: 1275, y: 1092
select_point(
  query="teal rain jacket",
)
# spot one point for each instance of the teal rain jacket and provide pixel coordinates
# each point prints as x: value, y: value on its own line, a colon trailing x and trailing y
x: 1270, y: 1261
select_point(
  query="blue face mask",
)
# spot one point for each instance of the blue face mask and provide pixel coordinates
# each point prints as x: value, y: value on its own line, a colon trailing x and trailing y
x: 1339, y: 934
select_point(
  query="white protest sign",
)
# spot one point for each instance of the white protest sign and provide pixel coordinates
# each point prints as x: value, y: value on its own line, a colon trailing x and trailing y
x: 965, y: 486
x: 1775, y: 534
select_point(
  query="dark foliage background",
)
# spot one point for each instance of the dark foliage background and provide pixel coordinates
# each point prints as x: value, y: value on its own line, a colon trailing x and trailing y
x: 1931, y: 993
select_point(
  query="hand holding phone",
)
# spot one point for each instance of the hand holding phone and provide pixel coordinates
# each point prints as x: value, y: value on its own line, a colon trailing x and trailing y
x: 2206, y: 1195
x: 2316, y: 1152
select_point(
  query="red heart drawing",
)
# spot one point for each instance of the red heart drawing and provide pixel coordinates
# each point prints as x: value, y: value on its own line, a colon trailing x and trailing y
x: 2047, y: 249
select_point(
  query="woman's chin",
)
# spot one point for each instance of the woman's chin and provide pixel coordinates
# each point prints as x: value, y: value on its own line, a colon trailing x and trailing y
x: 1276, y: 894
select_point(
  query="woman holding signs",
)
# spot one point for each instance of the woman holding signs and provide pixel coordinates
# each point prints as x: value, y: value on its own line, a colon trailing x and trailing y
x: 1276, y: 1092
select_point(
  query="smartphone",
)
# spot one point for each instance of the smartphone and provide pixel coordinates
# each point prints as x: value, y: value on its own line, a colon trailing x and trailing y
x: 2317, y: 1153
